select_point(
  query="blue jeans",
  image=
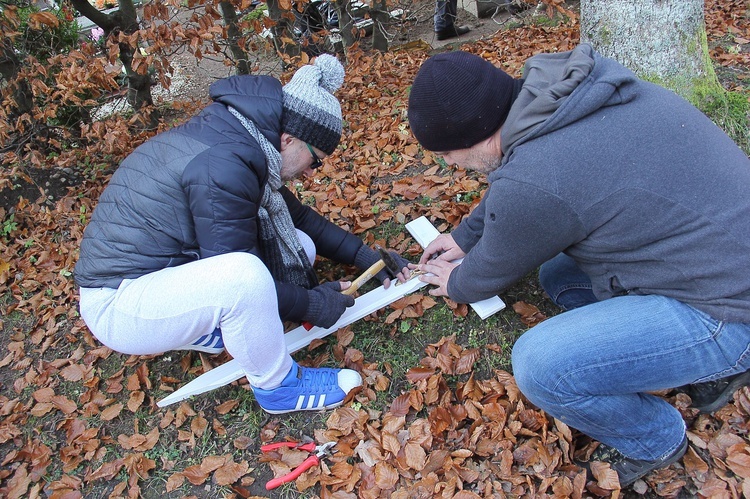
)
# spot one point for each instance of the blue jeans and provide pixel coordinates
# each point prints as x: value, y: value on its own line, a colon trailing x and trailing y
x: 445, y: 14
x: 593, y: 366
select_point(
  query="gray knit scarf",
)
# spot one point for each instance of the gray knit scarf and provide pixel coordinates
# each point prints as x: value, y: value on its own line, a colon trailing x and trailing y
x: 282, y: 251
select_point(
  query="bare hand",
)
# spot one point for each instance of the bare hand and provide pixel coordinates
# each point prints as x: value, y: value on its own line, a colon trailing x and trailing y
x: 442, y: 247
x: 438, y: 271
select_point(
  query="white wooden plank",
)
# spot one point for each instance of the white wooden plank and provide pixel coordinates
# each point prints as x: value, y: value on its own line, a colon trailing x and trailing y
x: 364, y: 305
x: 297, y: 339
x: 422, y: 231
x: 210, y: 380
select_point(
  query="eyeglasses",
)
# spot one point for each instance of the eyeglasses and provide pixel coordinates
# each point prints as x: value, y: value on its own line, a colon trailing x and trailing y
x: 317, y: 162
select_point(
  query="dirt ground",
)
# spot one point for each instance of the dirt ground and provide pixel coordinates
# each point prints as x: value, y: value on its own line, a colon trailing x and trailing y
x: 192, y: 78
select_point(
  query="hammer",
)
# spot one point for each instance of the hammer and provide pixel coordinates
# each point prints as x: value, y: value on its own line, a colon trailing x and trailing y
x: 386, y: 261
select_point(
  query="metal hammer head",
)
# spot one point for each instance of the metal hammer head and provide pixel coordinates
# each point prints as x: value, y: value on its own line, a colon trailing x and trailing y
x: 390, y: 263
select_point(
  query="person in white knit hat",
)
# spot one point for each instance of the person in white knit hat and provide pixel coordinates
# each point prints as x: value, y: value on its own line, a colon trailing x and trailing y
x: 197, y: 244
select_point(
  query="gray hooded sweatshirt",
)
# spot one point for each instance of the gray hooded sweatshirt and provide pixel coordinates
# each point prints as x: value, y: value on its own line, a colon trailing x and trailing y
x: 640, y: 188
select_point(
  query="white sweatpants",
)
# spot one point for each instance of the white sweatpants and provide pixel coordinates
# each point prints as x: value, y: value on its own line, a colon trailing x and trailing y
x: 173, y: 307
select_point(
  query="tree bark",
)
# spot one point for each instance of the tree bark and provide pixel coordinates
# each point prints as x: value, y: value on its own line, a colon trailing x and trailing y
x: 10, y: 65
x: 346, y: 23
x: 660, y: 40
x: 124, y: 20
x: 283, y: 37
x: 241, y: 63
x: 380, y: 18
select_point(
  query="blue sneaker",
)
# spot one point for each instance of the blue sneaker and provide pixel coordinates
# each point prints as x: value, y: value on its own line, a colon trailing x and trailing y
x: 308, y: 389
x: 211, y: 343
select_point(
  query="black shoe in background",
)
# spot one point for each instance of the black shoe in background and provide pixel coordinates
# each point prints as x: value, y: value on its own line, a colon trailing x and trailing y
x: 629, y: 470
x: 713, y: 395
x: 452, y: 32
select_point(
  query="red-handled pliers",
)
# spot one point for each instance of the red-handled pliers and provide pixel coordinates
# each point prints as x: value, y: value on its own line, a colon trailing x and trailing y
x: 319, y: 452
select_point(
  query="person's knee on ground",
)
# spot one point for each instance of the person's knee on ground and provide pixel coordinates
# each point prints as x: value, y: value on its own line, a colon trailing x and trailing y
x: 533, y: 379
x: 540, y: 378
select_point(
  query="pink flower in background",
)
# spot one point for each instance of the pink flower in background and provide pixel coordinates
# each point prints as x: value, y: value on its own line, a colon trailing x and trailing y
x: 97, y: 33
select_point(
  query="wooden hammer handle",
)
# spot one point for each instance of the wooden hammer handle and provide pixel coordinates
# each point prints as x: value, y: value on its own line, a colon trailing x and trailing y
x: 366, y: 276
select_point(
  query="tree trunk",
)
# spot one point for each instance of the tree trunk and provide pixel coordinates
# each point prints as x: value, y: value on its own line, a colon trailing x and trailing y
x: 663, y: 41
x: 139, y: 85
x: 346, y: 23
x: 10, y: 65
x: 241, y: 64
x: 125, y: 19
x: 380, y: 18
x: 283, y: 36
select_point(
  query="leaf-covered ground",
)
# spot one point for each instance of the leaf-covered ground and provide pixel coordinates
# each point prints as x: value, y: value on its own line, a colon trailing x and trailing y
x: 439, y: 415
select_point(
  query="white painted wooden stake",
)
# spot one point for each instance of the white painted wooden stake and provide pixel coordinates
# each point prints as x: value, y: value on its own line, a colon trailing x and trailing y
x: 422, y: 231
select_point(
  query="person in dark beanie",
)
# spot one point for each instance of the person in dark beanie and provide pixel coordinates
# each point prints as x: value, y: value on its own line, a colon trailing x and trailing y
x: 196, y: 244
x: 634, y: 207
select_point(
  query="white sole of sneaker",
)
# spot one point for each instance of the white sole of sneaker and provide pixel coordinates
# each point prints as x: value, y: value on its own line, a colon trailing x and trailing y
x: 305, y: 409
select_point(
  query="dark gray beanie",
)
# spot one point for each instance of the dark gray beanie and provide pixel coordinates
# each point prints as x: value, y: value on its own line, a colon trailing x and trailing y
x: 457, y: 100
x: 311, y: 112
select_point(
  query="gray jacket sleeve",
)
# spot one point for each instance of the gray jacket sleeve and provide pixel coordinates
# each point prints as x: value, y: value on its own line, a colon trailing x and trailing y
x: 523, y: 226
x: 470, y: 229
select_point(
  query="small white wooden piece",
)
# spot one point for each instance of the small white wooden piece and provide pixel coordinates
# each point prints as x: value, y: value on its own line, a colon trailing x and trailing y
x: 422, y: 231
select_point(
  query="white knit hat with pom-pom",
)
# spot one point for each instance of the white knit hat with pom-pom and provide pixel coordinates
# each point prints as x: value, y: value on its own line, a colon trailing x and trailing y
x: 311, y: 112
